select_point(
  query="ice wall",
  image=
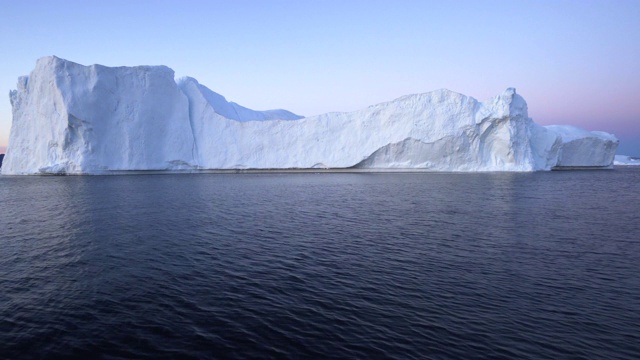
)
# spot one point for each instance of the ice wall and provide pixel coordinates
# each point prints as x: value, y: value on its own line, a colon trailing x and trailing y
x: 69, y: 118
x: 74, y: 119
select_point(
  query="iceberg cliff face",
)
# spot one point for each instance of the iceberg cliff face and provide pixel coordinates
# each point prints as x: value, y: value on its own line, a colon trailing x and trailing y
x: 74, y: 119
x: 69, y: 118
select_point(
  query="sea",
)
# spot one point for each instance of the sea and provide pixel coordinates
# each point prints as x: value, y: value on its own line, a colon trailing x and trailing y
x: 542, y: 265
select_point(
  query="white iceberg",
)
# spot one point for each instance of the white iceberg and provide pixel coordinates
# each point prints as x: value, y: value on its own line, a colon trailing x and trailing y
x: 624, y: 160
x: 75, y: 119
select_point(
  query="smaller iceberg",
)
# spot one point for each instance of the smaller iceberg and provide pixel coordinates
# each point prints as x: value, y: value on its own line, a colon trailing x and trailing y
x: 624, y: 160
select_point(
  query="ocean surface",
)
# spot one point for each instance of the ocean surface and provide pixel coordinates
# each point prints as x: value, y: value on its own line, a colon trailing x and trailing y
x: 541, y: 265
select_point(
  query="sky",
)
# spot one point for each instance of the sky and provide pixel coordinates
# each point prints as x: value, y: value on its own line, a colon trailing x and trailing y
x: 575, y: 62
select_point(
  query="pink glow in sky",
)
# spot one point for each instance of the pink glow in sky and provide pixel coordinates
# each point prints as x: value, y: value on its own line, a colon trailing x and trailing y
x: 574, y: 61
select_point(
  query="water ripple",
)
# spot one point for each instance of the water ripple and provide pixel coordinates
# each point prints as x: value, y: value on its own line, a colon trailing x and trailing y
x: 407, y: 266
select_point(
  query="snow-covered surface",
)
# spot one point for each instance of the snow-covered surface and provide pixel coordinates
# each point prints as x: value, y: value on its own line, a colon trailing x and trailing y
x: 231, y: 110
x: 75, y: 119
x: 624, y: 160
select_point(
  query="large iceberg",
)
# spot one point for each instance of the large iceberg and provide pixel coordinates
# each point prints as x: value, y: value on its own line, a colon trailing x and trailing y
x: 75, y: 119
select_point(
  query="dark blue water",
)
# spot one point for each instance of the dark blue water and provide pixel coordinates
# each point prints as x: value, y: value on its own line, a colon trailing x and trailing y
x: 408, y: 266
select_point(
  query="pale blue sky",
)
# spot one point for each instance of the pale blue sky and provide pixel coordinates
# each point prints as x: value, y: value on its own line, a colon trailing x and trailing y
x: 575, y: 62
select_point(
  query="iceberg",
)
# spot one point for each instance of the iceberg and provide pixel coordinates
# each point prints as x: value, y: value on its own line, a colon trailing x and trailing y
x: 624, y: 160
x: 75, y: 119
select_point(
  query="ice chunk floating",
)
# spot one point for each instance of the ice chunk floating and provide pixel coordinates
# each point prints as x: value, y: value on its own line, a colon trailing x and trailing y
x: 625, y: 160
x: 75, y: 119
